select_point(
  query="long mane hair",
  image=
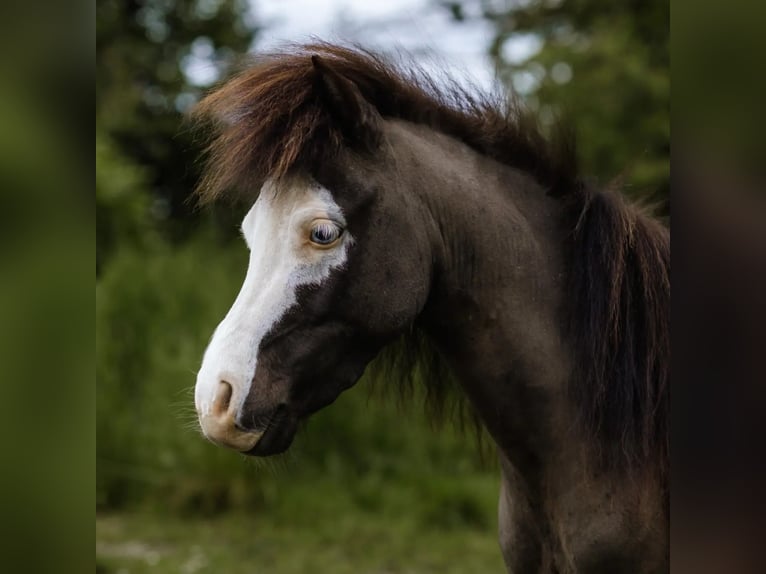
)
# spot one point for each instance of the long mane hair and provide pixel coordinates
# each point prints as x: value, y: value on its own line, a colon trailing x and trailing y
x: 270, y: 119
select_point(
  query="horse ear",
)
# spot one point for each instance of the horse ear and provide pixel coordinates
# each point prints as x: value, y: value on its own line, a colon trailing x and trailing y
x: 359, y: 120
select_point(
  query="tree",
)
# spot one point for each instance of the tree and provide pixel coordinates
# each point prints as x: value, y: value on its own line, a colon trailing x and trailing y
x: 604, y: 66
x: 147, y: 53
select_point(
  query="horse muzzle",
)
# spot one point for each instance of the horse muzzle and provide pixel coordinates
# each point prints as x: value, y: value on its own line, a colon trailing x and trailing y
x: 219, y: 422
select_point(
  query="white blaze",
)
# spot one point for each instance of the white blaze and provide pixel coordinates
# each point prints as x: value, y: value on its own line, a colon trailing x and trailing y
x: 276, y: 230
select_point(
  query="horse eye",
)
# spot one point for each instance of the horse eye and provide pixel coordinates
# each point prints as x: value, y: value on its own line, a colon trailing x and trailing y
x: 325, y: 233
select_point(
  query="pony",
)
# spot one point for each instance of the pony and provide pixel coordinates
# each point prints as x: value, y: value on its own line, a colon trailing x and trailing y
x: 443, y: 231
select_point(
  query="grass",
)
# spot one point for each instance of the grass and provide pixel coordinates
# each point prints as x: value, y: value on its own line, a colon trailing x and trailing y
x: 331, y: 533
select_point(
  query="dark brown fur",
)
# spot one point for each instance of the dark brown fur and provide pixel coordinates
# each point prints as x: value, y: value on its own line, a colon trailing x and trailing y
x: 270, y: 120
x: 478, y: 246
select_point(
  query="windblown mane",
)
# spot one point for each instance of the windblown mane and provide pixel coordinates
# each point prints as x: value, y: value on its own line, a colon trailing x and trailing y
x: 619, y: 325
x: 270, y: 119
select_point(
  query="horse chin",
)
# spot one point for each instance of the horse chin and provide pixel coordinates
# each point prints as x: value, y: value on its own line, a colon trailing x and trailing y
x: 276, y: 438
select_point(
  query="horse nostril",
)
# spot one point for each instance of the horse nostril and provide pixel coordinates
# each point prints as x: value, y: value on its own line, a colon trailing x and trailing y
x: 222, y: 399
x: 219, y: 424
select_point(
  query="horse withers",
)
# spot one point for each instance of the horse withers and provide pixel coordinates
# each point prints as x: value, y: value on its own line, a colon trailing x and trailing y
x: 383, y: 205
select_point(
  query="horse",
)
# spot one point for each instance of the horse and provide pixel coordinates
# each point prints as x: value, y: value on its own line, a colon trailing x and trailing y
x: 393, y: 210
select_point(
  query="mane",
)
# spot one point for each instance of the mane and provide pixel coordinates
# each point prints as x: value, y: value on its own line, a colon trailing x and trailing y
x: 619, y: 325
x: 270, y: 119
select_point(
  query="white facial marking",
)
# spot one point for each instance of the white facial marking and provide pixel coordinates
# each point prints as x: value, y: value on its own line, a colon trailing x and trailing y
x: 276, y: 229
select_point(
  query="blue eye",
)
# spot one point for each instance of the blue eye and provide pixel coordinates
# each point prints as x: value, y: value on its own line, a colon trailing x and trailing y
x: 325, y: 233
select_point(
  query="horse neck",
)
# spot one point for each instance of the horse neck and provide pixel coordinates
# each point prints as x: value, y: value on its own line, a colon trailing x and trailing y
x: 493, y: 309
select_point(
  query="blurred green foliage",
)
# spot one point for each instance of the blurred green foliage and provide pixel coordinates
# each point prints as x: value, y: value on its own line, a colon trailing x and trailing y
x: 602, y: 65
x: 146, y: 160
